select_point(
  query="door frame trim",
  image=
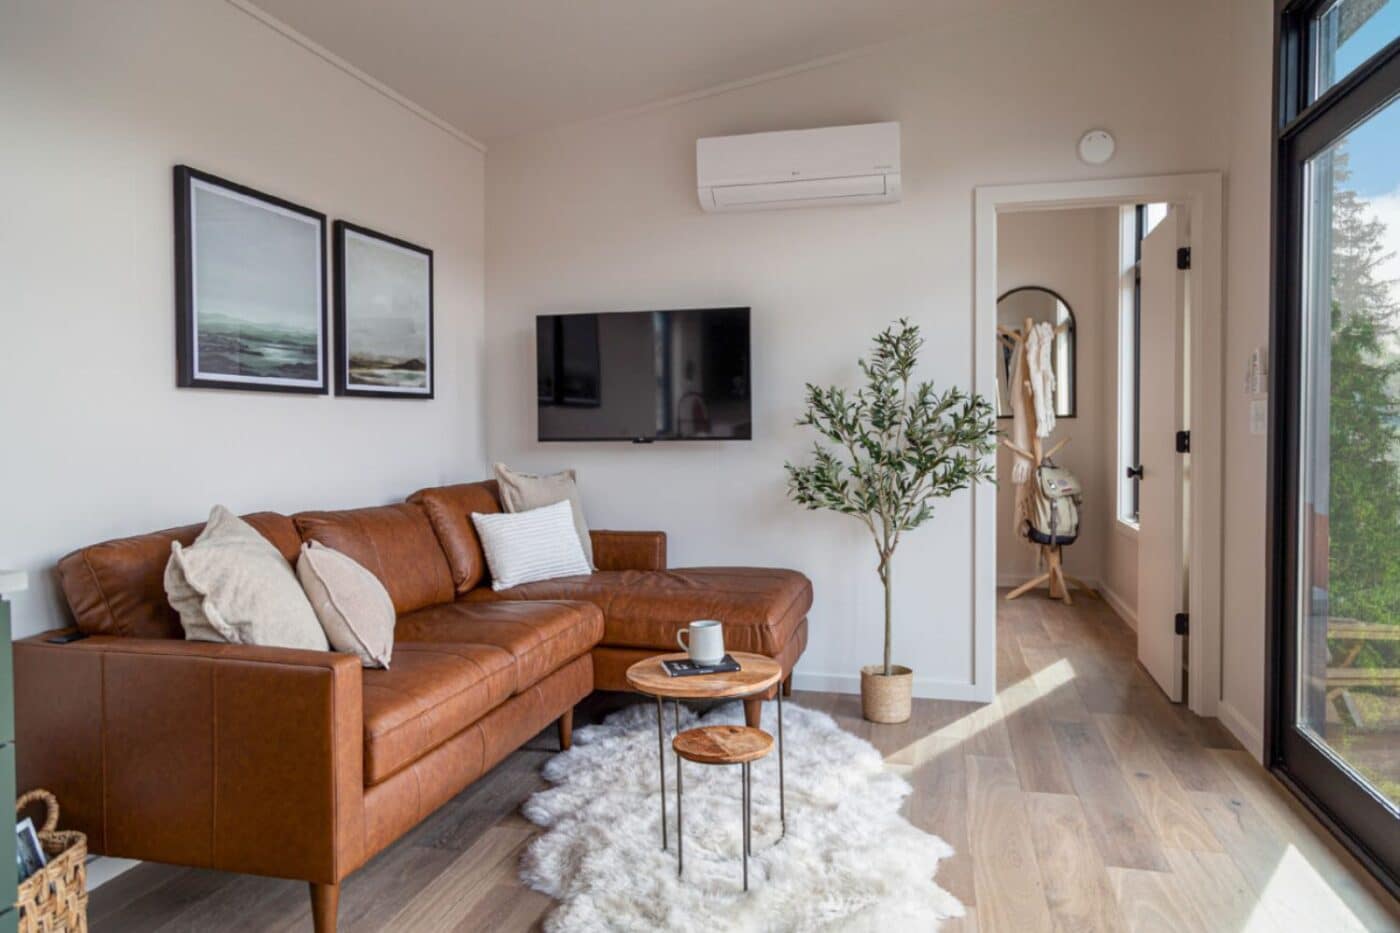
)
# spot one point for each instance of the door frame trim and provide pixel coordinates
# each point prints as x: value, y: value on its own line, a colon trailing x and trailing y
x: 1201, y: 195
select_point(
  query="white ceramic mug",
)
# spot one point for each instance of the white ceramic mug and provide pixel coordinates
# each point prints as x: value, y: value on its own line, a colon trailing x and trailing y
x: 706, y: 641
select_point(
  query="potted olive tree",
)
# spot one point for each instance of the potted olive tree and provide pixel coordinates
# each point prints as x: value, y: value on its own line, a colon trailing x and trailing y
x: 897, y: 448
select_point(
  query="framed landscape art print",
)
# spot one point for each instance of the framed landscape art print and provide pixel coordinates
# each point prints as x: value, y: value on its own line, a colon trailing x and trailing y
x: 383, y: 315
x: 250, y: 288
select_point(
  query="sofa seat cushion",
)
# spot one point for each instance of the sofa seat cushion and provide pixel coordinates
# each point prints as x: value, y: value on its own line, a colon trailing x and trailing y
x: 760, y: 607
x: 541, y: 636
x: 431, y: 693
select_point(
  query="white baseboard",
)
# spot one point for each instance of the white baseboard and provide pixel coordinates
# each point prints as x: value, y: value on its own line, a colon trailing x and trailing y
x: 1119, y: 605
x: 1241, y: 728
x: 925, y: 688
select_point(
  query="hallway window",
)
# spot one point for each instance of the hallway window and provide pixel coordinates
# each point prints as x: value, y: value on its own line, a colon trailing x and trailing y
x: 1136, y: 223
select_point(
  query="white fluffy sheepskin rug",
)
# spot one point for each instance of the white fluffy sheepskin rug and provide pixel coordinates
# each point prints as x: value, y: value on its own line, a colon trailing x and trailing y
x: 849, y: 860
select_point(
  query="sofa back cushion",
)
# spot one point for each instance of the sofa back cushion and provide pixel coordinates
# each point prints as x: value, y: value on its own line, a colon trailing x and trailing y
x: 396, y: 543
x: 118, y: 587
x: 450, y: 509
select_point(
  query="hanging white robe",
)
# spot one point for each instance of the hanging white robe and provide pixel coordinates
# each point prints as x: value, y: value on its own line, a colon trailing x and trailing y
x: 1020, y: 414
x: 1039, y: 344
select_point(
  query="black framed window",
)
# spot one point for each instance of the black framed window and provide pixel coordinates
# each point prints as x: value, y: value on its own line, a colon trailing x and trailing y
x: 1137, y: 224
x: 1334, y: 586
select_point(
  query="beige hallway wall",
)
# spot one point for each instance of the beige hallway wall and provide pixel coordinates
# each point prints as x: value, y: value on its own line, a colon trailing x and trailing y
x: 1064, y: 251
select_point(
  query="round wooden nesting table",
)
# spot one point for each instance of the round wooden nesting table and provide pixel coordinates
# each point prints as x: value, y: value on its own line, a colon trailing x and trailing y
x: 757, y: 674
x: 723, y: 745
x: 720, y: 745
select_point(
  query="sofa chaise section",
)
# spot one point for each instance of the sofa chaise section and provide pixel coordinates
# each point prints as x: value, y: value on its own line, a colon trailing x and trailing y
x: 643, y: 604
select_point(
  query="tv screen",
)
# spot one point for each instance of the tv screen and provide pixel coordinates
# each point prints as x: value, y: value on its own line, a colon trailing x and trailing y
x: 644, y: 375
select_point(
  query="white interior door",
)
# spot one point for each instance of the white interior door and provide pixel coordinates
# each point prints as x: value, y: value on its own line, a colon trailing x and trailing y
x: 1161, y: 553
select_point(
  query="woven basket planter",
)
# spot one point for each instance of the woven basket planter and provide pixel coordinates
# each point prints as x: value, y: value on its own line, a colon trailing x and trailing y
x: 886, y: 699
x: 54, y: 898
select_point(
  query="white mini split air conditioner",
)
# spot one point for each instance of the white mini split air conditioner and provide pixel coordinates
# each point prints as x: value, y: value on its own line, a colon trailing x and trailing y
x: 799, y: 168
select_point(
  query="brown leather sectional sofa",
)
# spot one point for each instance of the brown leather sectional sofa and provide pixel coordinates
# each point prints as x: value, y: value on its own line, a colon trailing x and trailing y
x: 301, y: 764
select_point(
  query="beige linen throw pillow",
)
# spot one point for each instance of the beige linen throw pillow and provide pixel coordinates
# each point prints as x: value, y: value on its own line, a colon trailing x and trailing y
x: 354, y: 608
x: 521, y: 492
x: 231, y: 585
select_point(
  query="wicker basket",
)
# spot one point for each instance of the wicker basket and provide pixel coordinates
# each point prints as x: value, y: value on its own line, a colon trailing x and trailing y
x: 54, y: 898
x: 886, y: 698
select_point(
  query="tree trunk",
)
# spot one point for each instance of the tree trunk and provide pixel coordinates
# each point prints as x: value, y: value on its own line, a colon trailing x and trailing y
x: 889, y: 620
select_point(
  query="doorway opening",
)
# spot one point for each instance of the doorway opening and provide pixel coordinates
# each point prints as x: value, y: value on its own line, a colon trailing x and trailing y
x: 1091, y: 348
x: 1121, y: 278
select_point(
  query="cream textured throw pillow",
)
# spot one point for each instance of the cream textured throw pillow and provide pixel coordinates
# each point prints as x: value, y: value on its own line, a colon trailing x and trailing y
x: 527, y: 546
x: 232, y: 585
x: 354, y: 608
x: 521, y: 492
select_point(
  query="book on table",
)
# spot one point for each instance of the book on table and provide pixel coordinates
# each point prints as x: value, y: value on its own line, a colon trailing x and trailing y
x: 688, y: 668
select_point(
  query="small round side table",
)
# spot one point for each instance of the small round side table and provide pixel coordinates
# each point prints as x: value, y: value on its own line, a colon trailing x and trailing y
x: 757, y: 674
x: 720, y: 745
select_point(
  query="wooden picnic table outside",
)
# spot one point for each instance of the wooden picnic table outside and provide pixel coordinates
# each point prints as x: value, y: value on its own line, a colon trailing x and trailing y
x: 1344, y: 675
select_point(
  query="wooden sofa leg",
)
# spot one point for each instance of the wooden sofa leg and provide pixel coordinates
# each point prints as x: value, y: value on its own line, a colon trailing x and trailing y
x: 787, y: 685
x: 566, y: 730
x: 753, y: 711
x: 325, y: 904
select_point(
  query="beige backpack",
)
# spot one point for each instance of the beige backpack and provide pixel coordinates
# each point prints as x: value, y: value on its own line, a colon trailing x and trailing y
x: 1054, y: 506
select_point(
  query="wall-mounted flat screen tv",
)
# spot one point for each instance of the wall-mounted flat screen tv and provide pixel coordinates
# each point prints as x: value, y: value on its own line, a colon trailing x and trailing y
x: 644, y: 376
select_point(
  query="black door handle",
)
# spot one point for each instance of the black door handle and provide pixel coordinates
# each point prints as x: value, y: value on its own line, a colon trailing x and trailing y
x: 1135, y: 472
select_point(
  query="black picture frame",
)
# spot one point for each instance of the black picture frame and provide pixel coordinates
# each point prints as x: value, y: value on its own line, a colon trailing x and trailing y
x: 343, y: 383
x: 189, y: 372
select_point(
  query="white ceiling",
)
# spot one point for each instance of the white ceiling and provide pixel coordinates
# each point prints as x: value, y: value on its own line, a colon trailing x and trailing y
x: 495, y: 68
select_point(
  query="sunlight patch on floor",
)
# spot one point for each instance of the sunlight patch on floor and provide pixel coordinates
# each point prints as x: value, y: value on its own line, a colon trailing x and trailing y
x: 1008, y: 701
x: 1297, y: 894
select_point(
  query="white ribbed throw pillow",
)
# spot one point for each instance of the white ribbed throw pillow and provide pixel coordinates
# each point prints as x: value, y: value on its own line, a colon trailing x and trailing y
x: 522, y: 547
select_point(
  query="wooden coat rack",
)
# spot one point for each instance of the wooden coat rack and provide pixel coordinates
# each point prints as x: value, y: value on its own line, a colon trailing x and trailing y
x: 1051, y: 555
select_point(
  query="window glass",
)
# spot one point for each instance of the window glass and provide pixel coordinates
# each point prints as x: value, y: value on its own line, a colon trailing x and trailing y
x: 1348, y: 675
x: 1137, y: 223
x: 1152, y: 215
x: 1348, y: 32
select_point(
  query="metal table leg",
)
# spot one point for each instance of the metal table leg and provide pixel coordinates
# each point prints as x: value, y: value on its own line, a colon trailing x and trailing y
x: 744, y: 776
x: 680, y: 834
x: 782, y: 794
x: 661, y: 762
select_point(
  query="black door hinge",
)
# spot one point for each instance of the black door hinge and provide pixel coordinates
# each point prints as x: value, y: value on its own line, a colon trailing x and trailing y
x: 1183, y: 257
x: 1183, y: 623
x: 1183, y: 442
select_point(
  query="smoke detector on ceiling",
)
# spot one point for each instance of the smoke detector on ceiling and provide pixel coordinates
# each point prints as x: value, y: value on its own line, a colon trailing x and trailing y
x: 1096, y: 147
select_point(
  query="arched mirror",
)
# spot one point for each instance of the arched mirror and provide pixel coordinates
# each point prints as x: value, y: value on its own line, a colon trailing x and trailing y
x: 1040, y: 305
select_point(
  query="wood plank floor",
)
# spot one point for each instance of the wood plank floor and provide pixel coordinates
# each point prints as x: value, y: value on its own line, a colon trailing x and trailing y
x: 1080, y: 800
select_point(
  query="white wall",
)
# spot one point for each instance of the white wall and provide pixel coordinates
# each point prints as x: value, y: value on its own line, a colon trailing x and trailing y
x: 603, y: 215
x: 1246, y: 326
x: 1066, y: 252
x: 98, y: 101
